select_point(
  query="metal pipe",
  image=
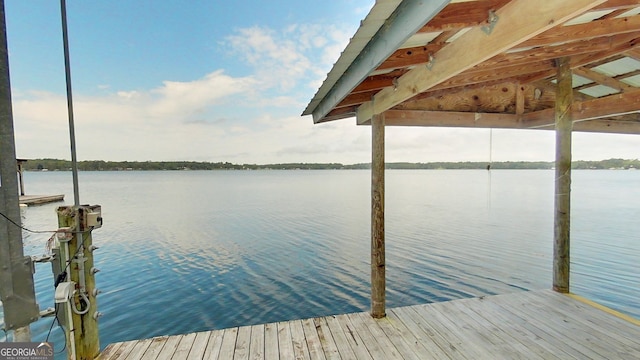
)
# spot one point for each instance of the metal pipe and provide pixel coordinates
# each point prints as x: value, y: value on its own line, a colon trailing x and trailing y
x: 72, y: 133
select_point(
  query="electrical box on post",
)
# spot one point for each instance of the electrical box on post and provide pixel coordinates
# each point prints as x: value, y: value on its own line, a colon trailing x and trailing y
x: 64, y: 290
x: 91, y: 216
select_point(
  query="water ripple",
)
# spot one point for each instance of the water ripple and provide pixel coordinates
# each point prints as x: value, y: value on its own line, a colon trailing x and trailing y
x: 191, y: 251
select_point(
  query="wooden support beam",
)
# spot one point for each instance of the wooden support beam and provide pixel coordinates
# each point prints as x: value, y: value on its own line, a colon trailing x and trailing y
x: 519, y: 99
x: 449, y: 119
x: 456, y: 16
x: 476, y: 46
x: 539, y: 65
x: 626, y: 75
x: 614, y: 14
x: 546, y: 85
x: 356, y: 99
x: 488, y: 75
x: 627, y: 124
x: 608, y: 106
x: 614, y: 53
x: 633, y: 53
x: 603, y: 79
x: 340, y: 113
x: 444, y: 37
x: 377, y: 82
x: 618, y: 5
x: 552, y: 52
x: 410, y: 56
x: 564, y: 35
x: 562, y: 213
x: 378, y: 281
x: 586, y: 31
x: 507, y: 66
x: 570, y: 40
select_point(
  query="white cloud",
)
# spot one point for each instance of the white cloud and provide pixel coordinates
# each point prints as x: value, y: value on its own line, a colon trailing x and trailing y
x: 255, y: 118
x: 282, y: 59
x: 184, y: 98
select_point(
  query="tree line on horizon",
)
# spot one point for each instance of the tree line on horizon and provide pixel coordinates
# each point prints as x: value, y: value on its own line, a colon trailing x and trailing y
x: 101, y: 165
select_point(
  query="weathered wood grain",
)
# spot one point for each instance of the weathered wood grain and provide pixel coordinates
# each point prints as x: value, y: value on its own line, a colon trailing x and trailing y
x: 154, y: 348
x: 271, y: 347
x: 256, y: 348
x: 524, y: 325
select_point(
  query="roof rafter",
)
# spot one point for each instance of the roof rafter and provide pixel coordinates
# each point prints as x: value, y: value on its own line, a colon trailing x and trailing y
x: 563, y: 35
x: 603, y: 79
x: 633, y: 53
x: 462, y: 15
x: 587, y: 31
x: 618, y: 5
x: 476, y: 46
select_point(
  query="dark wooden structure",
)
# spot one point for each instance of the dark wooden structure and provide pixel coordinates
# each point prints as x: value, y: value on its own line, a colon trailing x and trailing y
x: 571, y: 65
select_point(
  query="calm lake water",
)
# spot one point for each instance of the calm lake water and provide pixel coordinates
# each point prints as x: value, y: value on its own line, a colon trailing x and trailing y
x: 190, y: 251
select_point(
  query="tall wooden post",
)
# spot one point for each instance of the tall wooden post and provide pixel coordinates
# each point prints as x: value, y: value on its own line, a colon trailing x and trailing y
x: 76, y: 256
x: 564, y: 125
x: 378, y: 282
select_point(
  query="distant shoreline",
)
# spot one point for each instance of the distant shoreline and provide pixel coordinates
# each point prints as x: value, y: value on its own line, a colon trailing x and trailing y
x: 99, y: 165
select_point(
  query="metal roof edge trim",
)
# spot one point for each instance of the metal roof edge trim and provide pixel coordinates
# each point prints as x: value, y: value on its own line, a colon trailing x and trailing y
x: 406, y: 19
x: 382, y: 9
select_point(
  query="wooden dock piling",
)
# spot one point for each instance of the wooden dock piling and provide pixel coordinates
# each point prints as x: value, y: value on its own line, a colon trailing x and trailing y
x: 77, y: 259
x: 378, y: 282
x: 563, y: 124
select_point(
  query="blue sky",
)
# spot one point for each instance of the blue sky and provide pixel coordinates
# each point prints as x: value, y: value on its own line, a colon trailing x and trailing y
x: 212, y: 80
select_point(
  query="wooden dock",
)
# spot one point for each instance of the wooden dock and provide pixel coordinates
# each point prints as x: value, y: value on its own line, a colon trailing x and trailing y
x: 40, y: 199
x: 524, y: 325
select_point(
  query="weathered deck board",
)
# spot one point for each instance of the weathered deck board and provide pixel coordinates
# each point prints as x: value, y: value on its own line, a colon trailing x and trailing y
x: 523, y: 325
x: 256, y: 347
x: 271, y: 348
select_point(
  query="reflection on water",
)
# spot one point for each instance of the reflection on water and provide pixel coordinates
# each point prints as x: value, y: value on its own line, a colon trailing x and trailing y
x: 190, y: 251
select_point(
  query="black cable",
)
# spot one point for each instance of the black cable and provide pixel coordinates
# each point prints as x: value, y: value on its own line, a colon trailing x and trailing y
x: 34, y: 231
x: 49, y: 232
x: 25, y: 229
x: 65, y: 343
x: 60, y: 277
x: 55, y: 317
x: 6, y: 336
